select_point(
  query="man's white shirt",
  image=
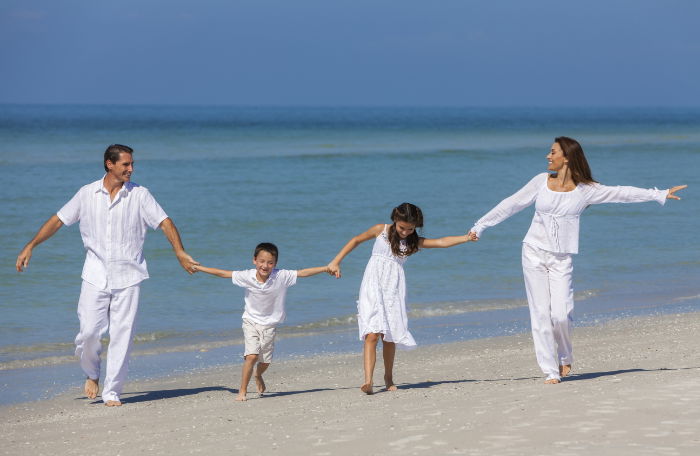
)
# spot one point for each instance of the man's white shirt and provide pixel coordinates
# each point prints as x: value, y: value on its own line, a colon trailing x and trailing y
x: 113, y: 232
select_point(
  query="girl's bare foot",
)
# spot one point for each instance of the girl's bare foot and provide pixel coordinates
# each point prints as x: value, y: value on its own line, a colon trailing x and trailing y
x: 367, y: 388
x: 552, y: 381
x: 92, y: 387
x: 241, y: 397
x: 390, y: 386
x: 564, y: 370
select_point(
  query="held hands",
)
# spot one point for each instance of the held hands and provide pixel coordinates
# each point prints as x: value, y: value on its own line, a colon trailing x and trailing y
x: 334, y: 270
x: 673, y: 190
x: 187, y: 262
x: 472, y: 237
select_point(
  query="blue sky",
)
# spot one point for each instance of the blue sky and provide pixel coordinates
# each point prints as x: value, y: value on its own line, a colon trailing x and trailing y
x: 337, y: 52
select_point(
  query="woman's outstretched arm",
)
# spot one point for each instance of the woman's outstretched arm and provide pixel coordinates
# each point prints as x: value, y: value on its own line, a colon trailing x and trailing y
x: 511, y: 205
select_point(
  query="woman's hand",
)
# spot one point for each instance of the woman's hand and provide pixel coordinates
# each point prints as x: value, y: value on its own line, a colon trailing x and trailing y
x: 673, y: 190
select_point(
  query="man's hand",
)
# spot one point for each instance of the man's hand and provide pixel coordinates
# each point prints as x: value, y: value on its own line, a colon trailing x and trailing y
x: 47, y: 230
x: 187, y: 262
x: 23, y: 258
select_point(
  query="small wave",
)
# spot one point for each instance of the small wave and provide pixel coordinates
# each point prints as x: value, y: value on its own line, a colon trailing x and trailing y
x: 327, y: 323
x: 37, y: 362
x: 686, y: 298
x: 64, y: 359
x: 37, y: 348
x: 154, y: 336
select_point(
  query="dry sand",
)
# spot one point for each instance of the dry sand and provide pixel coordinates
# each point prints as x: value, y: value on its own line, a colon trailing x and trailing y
x: 635, y: 391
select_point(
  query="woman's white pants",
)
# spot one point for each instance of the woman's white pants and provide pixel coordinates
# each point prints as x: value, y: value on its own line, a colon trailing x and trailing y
x: 100, y: 311
x: 550, y: 297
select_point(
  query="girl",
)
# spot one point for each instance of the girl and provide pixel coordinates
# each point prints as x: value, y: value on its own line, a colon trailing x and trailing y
x: 552, y: 239
x: 382, y: 304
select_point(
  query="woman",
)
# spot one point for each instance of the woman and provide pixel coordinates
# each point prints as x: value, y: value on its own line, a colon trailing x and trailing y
x: 552, y: 239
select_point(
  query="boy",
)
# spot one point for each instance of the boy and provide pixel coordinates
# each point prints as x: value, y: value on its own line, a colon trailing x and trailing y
x: 265, y: 291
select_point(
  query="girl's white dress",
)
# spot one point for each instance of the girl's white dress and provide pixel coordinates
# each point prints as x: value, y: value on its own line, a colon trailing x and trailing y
x: 382, y: 304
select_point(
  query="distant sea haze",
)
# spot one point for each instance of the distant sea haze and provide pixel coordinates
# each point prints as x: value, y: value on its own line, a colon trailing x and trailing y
x: 308, y: 179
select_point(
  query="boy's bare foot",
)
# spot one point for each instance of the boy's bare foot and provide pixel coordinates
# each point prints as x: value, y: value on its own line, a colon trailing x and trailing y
x: 552, y: 381
x: 367, y: 388
x: 564, y: 370
x: 261, y: 384
x: 390, y: 386
x: 92, y: 387
x: 241, y: 397
x: 113, y: 403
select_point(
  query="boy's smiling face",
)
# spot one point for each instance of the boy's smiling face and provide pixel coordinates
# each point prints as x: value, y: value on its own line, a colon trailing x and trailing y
x: 264, y: 263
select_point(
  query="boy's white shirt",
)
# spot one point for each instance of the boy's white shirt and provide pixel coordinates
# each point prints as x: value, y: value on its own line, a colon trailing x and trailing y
x: 265, y: 301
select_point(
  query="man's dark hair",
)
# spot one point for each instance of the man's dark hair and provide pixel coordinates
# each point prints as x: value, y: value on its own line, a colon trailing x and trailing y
x: 268, y: 247
x: 113, y: 151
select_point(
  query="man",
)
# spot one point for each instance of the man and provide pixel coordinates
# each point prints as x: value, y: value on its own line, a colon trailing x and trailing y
x: 114, y: 214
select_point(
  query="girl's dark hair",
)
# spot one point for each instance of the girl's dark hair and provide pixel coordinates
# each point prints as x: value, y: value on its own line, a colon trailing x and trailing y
x: 408, y: 213
x: 268, y: 247
x: 112, y: 153
x: 578, y: 165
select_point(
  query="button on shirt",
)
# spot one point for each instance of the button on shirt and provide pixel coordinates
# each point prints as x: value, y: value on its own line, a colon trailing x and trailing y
x: 555, y: 225
x: 113, y: 232
x: 264, y: 302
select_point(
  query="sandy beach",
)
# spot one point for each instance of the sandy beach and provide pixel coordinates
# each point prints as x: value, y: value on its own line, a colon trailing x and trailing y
x: 635, y: 389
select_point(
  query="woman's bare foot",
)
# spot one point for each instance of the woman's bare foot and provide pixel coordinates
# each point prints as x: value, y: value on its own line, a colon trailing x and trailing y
x: 389, y: 382
x: 552, y: 381
x: 241, y: 397
x: 261, y: 384
x: 367, y: 388
x: 564, y: 370
x: 92, y: 387
x: 113, y: 403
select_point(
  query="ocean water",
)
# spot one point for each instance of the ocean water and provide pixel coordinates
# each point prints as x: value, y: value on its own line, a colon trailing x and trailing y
x: 308, y: 179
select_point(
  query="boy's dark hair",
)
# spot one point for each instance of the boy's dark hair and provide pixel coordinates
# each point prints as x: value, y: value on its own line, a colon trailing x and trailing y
x: 268, y: 247
x: 113, y: 151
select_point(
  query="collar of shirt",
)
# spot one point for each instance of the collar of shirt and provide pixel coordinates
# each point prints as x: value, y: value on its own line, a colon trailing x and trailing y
x: 100, y: 187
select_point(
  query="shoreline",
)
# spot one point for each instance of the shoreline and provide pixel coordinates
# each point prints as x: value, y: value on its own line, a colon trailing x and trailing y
x: 633, y: 391
x: 28, y: 382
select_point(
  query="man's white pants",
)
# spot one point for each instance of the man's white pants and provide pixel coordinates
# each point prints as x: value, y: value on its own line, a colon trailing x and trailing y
x: 550, y: 297
x: 100, y: 311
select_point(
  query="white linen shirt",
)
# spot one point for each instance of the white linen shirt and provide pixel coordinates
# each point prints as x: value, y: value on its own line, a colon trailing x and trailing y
x: 113, y: 232
x: 264, y: 302
x: 555, y: 225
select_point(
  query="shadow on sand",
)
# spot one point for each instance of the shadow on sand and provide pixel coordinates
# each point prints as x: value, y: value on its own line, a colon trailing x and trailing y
x: 150, y: 396
x: 592, y: 375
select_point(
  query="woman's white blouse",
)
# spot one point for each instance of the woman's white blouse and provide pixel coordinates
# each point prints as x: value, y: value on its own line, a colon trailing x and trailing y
x: 555, y: 225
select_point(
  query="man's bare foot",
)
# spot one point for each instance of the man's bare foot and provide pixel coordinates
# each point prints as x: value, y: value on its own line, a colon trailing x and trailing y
x: 261, y: 384
x: 367, y: 388
x: 113, y: 403
x: 92, y: 387
x: 390, y: 386
x: 241, y: 397
x: 552, y: 381
x: 564, y: 370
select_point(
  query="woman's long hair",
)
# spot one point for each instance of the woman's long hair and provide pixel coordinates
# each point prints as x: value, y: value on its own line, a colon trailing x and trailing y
x: 578, y: 165
x: 407, y: 213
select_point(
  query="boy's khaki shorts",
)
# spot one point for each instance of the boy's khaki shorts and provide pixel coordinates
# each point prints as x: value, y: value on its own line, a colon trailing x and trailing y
x: 259, y: 340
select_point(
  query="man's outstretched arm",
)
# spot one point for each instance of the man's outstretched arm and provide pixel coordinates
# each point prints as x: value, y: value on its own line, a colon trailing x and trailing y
x: 47, y: 230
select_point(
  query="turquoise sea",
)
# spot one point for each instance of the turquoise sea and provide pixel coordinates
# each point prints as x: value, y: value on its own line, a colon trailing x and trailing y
x: 308, y: 179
